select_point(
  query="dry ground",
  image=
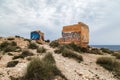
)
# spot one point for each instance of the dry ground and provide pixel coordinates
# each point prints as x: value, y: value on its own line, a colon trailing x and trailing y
x: 86, y: 70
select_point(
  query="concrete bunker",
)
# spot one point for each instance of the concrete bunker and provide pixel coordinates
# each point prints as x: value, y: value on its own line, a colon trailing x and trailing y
x: 77, y: 33
x: 37, y: 35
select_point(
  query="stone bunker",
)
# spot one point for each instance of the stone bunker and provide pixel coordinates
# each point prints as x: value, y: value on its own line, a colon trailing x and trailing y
x: 77, y: 33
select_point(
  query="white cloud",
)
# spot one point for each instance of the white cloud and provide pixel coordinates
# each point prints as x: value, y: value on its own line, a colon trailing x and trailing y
x: 22, y: 16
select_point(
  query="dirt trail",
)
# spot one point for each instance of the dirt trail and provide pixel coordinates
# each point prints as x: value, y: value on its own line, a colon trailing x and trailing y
x: 86, y: 70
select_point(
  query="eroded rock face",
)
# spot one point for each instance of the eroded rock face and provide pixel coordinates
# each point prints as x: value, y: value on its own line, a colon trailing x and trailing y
x: 77, y: 33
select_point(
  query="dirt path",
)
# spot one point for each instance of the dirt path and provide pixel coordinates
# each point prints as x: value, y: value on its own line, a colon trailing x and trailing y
x: 86, y: 70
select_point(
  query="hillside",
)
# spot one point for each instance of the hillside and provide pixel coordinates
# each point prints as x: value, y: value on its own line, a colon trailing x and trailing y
x: 81, y: 66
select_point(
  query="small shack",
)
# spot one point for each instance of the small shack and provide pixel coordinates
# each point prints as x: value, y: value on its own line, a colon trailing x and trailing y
x: 37, y: 35
x: 77, y: 33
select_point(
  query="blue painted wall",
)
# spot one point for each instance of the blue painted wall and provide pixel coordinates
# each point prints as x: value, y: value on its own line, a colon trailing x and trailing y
x: 35, y: 36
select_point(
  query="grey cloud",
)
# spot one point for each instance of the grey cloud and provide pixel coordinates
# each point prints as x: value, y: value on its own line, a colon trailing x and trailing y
x: 22, y: 16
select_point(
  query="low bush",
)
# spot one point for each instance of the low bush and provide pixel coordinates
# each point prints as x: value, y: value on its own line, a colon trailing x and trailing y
x: 29, y: 58
x: 95, y: 51
x: 27, y: 40
x: 10, y: 49
x: 32, y: 46
x: 17, y: 57
x: 13, y: 43
x: 70, y: 54
x: 12, y: 63
x: 117, y: 55
x: 24, y: 54
x: 106, y: 62
x: 54, y: 44
x: 4, y: 45
x: 16, y: 36
x: 41, y: 50
x: 10, y: 54
x: 10, y: 38
x: 9, y: 46
x: 58, y: 51
x: 44, y: 69
x: 49, y: 58
x: 76, y: 48
x: 105, y: 50
x: 110, y: 64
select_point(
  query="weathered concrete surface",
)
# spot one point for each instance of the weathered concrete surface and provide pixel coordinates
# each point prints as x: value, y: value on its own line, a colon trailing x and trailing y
x: 77, y: 33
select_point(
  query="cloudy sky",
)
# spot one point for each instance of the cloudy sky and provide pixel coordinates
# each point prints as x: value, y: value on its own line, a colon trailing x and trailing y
x: 20, y: 17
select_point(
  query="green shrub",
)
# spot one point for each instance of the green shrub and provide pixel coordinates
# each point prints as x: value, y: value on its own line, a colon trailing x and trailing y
x: 16, y: 36
x: 71, y: 54
x: 16, y: 57
x: 29, y: 58
x: 110, y: 64
x: 9, y: 46
x: 106, y: 62
x: 41, y: 50
x: 32, y: 46
x: 27, y: 40
x: 95, y: 51
x: 10, y: 54
x: 105, y: 50
x: 24, y: 54
x: 58, y: 51
x: 74, y: 47
x: 49, y: 58
x: 11, y: 38
x: 4, y: 45
x: 9, y: 49
x: 54, y: 44
x: 12, y: 63
x: 117, y: 55
x: 13, y: 43
x: 42, y: 70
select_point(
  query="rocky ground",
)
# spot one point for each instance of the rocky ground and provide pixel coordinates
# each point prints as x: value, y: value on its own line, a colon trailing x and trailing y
x: 86, y: 70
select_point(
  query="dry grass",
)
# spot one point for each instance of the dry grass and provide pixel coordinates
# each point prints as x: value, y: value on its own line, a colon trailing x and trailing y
x: 110, y: 64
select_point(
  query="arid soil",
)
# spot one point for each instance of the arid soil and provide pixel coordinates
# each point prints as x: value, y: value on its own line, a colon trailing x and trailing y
x: 86, y: 70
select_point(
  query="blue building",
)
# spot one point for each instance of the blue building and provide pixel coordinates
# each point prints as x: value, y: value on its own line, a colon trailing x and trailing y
x: 37, y: 35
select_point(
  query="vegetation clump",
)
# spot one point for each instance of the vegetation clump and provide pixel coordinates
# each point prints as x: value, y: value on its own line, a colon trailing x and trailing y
x: 24, y: 54
x: 54, y: 44
x: 10, y: 38
x: 70, y: 54
x: 44, y: 69
x: 105, y: 50
x: 41, y: 50
x: 9, y: 46
x: 110, y: 64
x: 32, y: 46
x: 77, y: 48
x: 117, y: 55
x: 95, y: 51
x: 12, y: 63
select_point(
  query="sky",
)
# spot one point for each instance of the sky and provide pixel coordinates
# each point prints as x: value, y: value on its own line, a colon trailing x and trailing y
x: 20, y: 17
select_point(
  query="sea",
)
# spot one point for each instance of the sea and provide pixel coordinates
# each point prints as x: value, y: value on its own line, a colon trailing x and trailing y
x: 111, y: 47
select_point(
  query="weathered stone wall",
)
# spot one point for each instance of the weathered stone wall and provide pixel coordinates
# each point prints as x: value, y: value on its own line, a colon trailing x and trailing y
x: 77, y: 33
